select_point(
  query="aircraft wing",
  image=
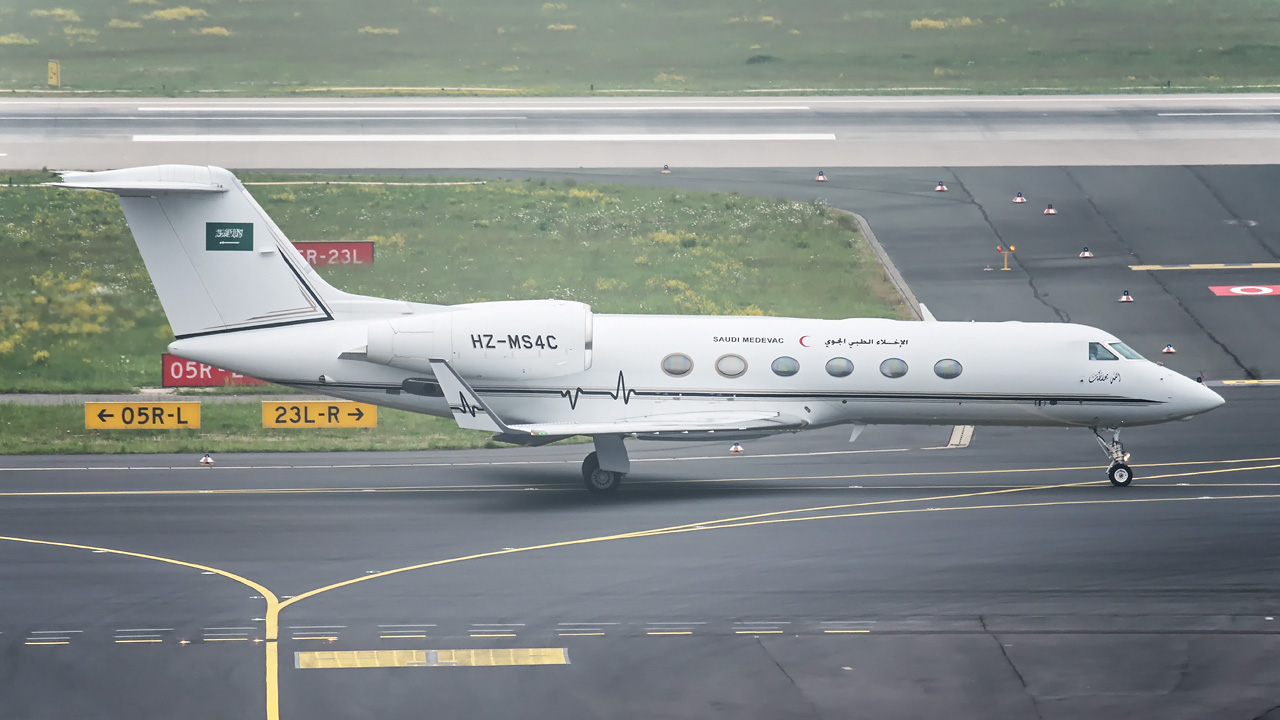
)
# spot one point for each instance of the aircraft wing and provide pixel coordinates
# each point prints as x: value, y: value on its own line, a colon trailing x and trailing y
x: 473, y: 413
x: 673, y: 422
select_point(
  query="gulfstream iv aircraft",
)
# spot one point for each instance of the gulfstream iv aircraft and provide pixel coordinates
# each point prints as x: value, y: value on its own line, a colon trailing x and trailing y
x: 239, y: 296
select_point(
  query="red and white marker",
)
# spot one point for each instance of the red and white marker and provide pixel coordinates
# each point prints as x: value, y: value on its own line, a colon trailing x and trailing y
x: 1244, y: 290
x: 1050, y: 211
x: 1126, y: 297
x: 666, y: 169
x: 940, y: 188
x: 206, y: 461
x: 1085, y: 253
x: 1019, y: 199
x: 1168, y: 350
x: 821, y: 177
x: 736, y: 449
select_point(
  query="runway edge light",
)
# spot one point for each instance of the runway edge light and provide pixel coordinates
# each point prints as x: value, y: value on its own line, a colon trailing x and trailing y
x: 1018, y: 198
x: 1050, y: 210
x: 1085, y: 253
x: 941, y: 187
x: 820, y: 178
x: 1168, y: 349
x: 1126, y: 297
x: 666, y: 169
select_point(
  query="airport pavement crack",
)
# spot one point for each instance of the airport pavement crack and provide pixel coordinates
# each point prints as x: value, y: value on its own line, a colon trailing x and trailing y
x: 1063, y: 315
x: 1035, y: 706
x: 813, y: 709
x: 1272, y: 713
x: 1221, y: 200
x: 1249, y: 373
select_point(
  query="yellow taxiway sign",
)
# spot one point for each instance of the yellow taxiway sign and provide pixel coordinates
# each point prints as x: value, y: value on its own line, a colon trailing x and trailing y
x: 141, y: 415
x: 318, y: 414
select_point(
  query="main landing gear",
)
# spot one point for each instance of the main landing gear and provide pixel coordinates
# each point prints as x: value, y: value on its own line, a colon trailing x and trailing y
x: 604, y: 469
x: 1119, y: 473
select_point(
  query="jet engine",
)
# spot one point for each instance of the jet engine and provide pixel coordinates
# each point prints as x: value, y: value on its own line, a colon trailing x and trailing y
x: 512, y: 340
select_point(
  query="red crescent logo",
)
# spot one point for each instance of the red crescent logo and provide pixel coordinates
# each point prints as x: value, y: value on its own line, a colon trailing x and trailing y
x: 802, y: 337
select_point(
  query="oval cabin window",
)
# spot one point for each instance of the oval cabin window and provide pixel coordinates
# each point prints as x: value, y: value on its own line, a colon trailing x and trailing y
x: 839, y: 367
x: 677, y: 365
x: 893, y: 368
x: 785, y: 366
x: 947, y: 369
x: 731, y: 366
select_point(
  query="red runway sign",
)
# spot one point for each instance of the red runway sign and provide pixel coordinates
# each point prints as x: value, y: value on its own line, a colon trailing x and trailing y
x: 336, y: 253
x: 1244, y: 290
x: 180, y: 372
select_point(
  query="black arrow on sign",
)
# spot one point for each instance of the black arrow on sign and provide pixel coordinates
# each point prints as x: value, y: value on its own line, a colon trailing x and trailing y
x: 359, y: 414
x: 103, y: 415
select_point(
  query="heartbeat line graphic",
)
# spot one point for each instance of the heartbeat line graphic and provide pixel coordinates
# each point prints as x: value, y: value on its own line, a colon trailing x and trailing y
x: 621, y: 392
x: 466, y: 407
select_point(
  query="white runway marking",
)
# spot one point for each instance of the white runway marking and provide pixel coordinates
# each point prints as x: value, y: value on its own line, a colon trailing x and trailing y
x: 509, y: 138
x: 1214, y: 114
x: 471, y: 107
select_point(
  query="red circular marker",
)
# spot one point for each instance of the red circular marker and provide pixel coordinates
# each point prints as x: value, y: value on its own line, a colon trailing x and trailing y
x: 1252, y: 290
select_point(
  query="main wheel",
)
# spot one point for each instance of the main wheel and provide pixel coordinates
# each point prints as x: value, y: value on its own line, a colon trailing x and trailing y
x: 598, y: 480
x: 1120, y: 475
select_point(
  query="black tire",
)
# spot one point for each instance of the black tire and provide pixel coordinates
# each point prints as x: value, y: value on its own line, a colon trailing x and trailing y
x: 597, y: 480
x: 1120, y: 475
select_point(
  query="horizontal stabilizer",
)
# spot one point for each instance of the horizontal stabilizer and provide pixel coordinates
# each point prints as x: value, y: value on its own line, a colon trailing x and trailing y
x: 131, y: 183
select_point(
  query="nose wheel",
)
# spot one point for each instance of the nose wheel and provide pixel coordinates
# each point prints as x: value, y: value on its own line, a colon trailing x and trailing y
x: 1119, y: 473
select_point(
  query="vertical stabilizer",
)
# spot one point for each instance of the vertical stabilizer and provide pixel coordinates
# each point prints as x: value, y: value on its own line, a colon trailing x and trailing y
x: 219, y: 264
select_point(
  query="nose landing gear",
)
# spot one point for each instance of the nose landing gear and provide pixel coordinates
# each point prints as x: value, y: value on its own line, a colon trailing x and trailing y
x: 1119, y: 473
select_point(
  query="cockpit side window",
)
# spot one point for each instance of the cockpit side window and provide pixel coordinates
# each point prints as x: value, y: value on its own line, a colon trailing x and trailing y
x: 1098, y: 351
x: 1126, y: 352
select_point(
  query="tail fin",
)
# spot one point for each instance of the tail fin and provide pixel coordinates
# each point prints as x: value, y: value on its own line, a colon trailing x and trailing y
x: 218, y: 262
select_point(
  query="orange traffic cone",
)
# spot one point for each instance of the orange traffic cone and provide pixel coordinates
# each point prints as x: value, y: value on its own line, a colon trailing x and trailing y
x: 940, y: 188
x: 821, y: 177
x: 1126, y: 297
x: 736, y: 449
x: 1085, y: 253
x: 1019, y: 199
x: 1168, y: 350
x: 666, y: 169
x: 1050, y: 211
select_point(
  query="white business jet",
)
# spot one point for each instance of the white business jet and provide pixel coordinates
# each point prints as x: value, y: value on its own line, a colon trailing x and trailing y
x: 239, y: 296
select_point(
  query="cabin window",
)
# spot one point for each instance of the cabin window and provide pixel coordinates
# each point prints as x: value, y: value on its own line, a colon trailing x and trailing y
x: 1126, y: 351
x: 677, y: 365
x: 893, y: 368
x: 785, y: 366
x: 731, y: 366
x: 947, y: 369
x: 839, y: 367
x: 1098, y: 351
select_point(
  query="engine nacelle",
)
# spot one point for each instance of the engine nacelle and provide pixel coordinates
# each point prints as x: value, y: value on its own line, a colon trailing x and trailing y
x: 510, y: 340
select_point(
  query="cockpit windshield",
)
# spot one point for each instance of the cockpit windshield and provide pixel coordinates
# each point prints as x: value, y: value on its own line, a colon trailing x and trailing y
x: 1127, y: 352
x: 1098, y: 351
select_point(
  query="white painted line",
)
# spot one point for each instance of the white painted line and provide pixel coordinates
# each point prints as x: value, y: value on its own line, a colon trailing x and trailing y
x: 589, y: 623
x: 316, y: 627
x: 54, y: 632
x: 143, y: 630
x: 961, y: 436
x: 503, y: 107
x: 656, y: 624
x: 507, y: 138
x: 401, y: 626
x: 231, y: 628
x: 485, y: 625
x: 1213, y: 114
x: 252, y: 118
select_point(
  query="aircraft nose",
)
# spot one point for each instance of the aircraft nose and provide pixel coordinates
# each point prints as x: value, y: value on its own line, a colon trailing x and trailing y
x: 1200, y: 399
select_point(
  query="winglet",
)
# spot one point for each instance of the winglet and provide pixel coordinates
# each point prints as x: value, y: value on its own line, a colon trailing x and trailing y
x: 468, y: 410
x: 925, y: 315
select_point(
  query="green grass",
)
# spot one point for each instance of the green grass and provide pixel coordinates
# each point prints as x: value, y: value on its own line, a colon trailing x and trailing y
x: 271, y: 46
x: 225, y: 427
x: 78, y: 312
